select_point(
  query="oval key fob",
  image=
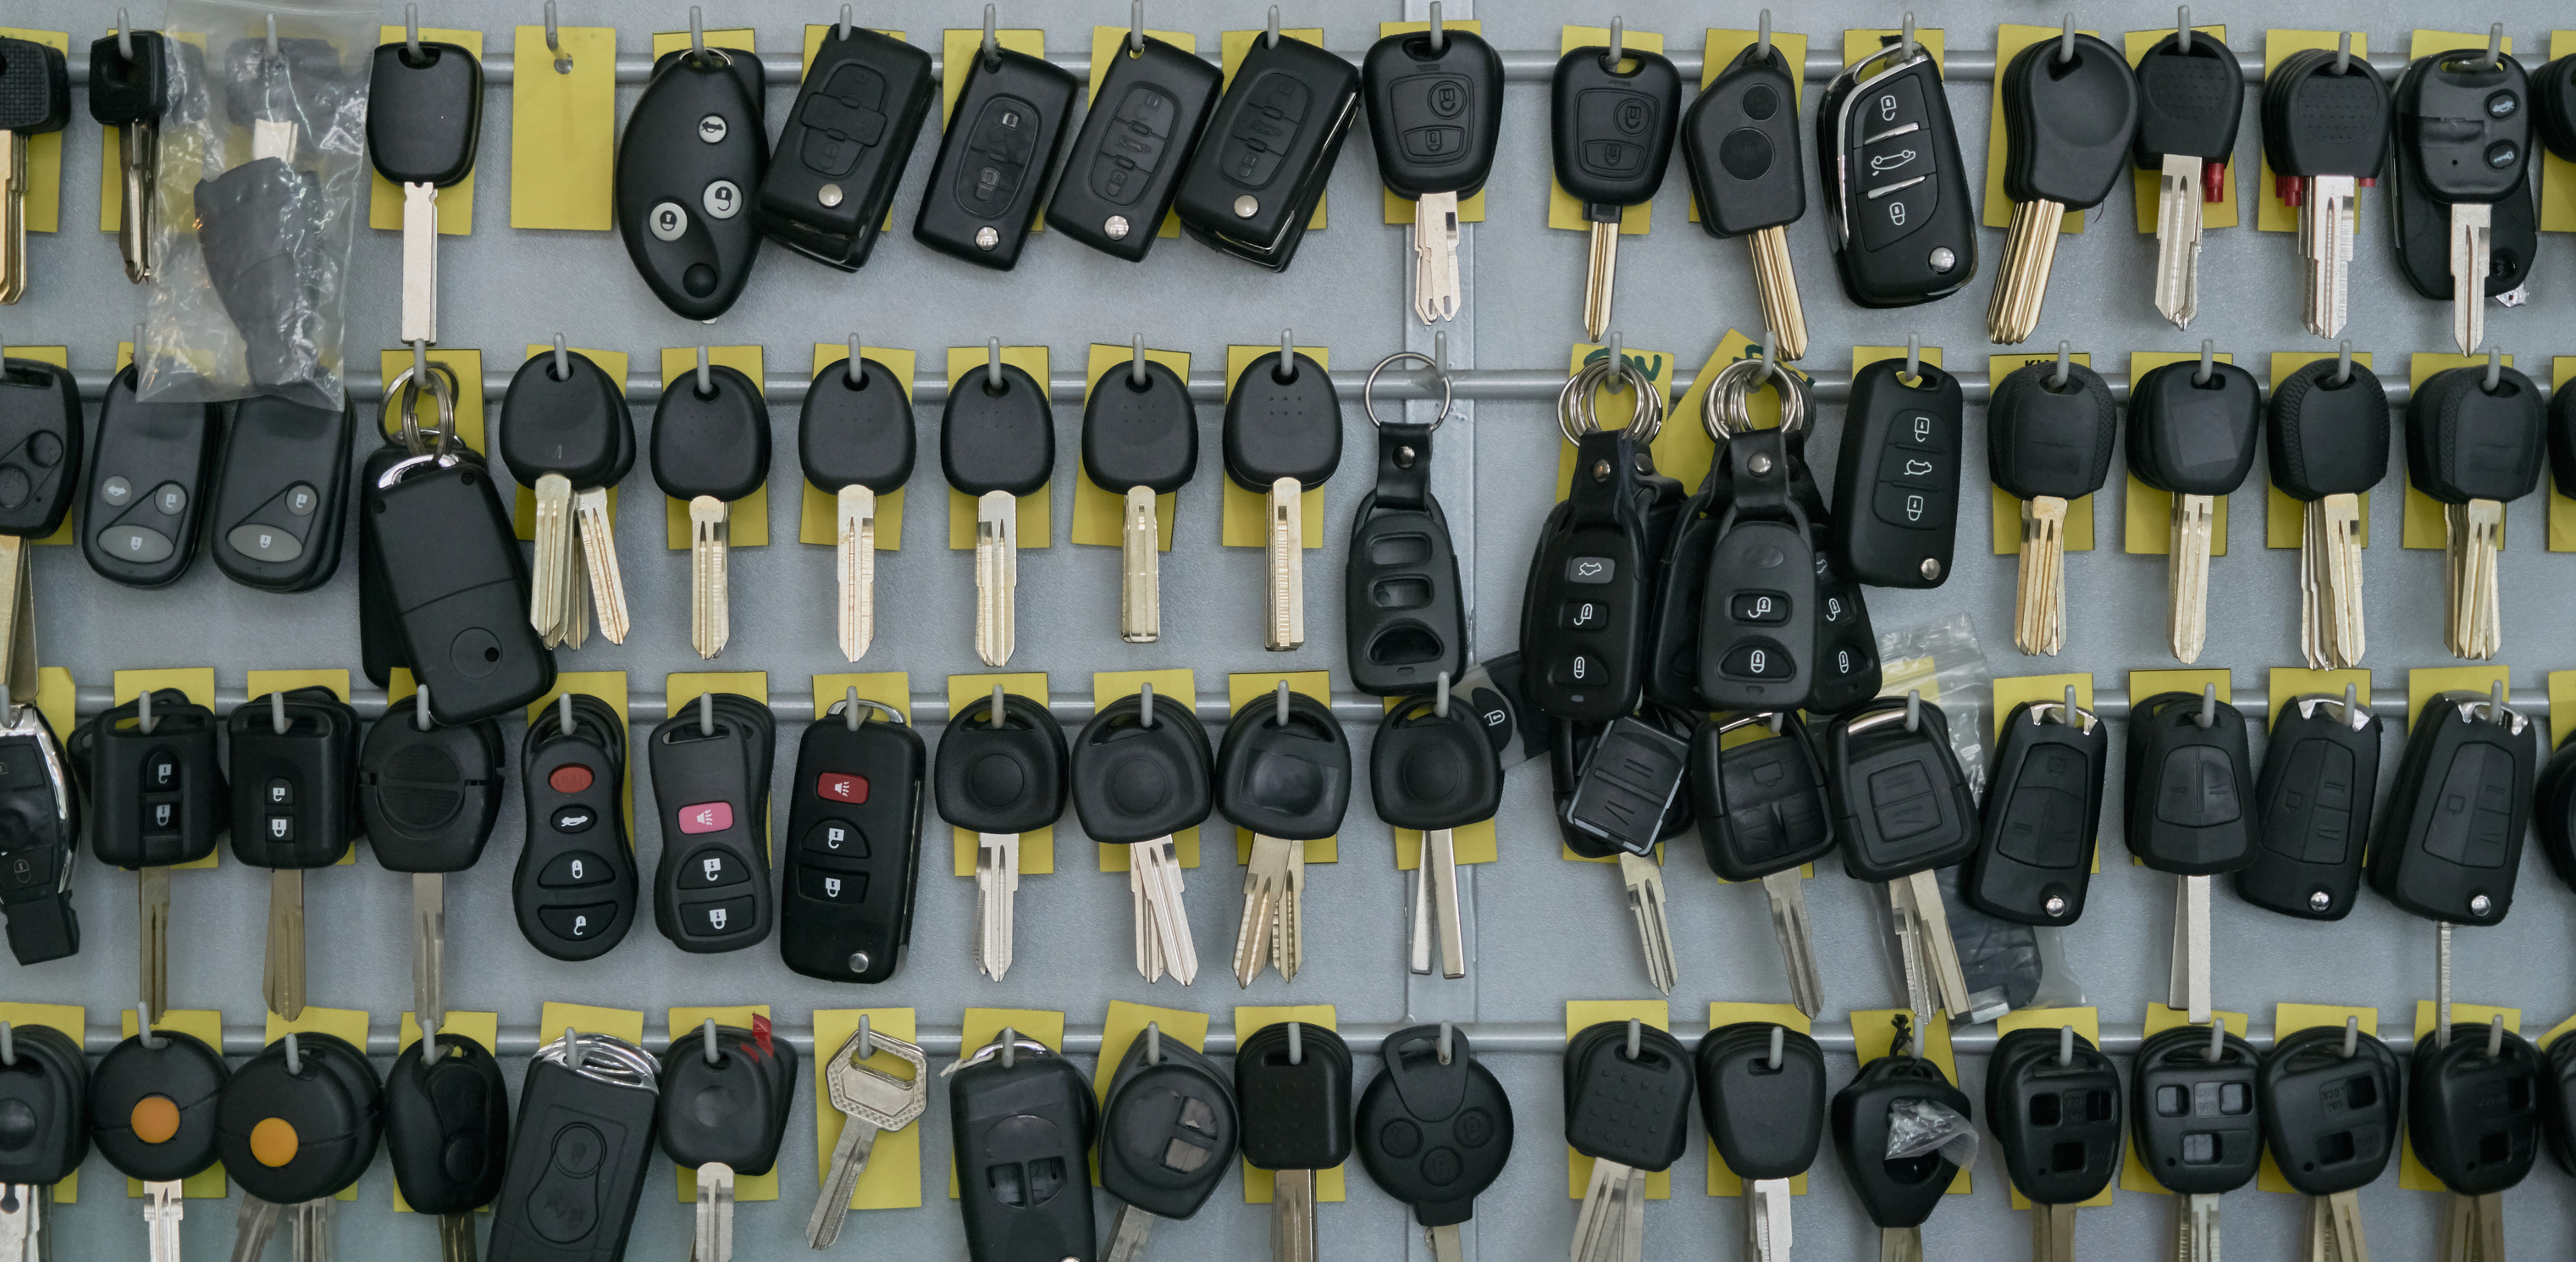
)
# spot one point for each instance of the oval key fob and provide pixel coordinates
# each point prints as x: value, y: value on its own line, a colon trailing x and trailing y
x: 997, y: 437
x: 1287, y: 780
x: 148, y: 475
x: 152, y: 1109
x: 1406, y: 618
x: 281, y: 495
x: 855, y: 429
x: 1005, y: 775
x: 45, y: 1099
x: 574, y: 888
x: 712, y: 889
x: 1168, y: 1130
x: 429, y: 796
x: 714, y: 442
x: 694, y: 150
x: 447, y: 1126
x: 1133, y: 783
x: 1433, y: 1133
x: 289, y: 1136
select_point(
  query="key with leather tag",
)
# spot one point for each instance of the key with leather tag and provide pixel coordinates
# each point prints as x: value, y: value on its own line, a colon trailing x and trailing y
x: 710, y: 448
x: 729, y: 1090
x: 566, y: 434
x: 2327, y: 443
x: 424, y: 118
x: 296, y: 1124
x: 295, y: 765
x: 578, y: 1151
x: 2049, y: 435
x: 573, y: 890
x: 1618, y: 792
x: 447, y: 1131
x: 1292, y: 1089
x: 2475, y: 438
x: 1758, y: 612
x: 1283, y: 437
x: 1764, y: 813
x: 1168, y: 1134
x: 1405, y: 617
x: 2055, y: 1102
x: 853, y: 845
x: 1002, y: 138
x: 1627, y: 1106
x: 152, y: 1115
x: 2192, y: 433
x: 1283, y: 774
x: 2043, y: 808
x: 1435, y: 112
x: 428, y: 795
x: 711, y: 764
x: 1896, y: 477
x: 460, y: 606
x: 1434, y: 1129
x: 1023, y: 1117
x: 2473, y: 1107
x: 997, y: 443
x: 2192, y: 1092
x: 45, y: 1091
x: 2313, y: 802
x: 1140, y: 773
x: 855, y: 439
x: 1140, y: 439
x: 1125, y: 166
x: 145, y: 501
x: 1762, y: 1094
x: 157, y: 800
x: 694, y: 148
x: 1433, y: 768
x: 1001, y: 772
x: 1895, y: 188
x: 1900, y: 1089
x: 2329, y: 1100
x: 1904, y: 812
x: 1584, y: 609
x: 1253, y: 186
x: 2189, y: 790
x: 281, y: 494
x: 842, y: 153
x: 1612, y: 115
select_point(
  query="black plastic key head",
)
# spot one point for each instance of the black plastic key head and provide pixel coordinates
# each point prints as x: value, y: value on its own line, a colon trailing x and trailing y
x: 1022, y: 1128
x: 1628, y: 1106
x: 2467, y: 121
x: 2189, y: 436
x: 1252, y: 188
x: 693, y: 150
x: 1628, y: 793
x: 573, y: 422
x: 580, y: 1146
x: 1287, y: 780
x: 711, y: 439
x: 1294, y: 1095
x: 2190, y: 786
x: 1433, y: 1131
x: 2194, y: 1112
x: 1896, y: 189
x: 2068, y: 122
x: 1896, y: 478
x: 1611, y: 126
x: 131, y: 89
x: 2189, y: 100
x: 1434, y: 112
x: 1901, y: 802
x: 157, y: 798
x: 2312, y: 802
x: 2043, y: 806
x: 1168, y: 1129
x: 2048, y: 438
x: 2450, y: 840
x: 1140, y: 434
x: 1762, y: 805
x: 429, y: 796
x: 731, y: 1108
x: 1584, y: 610
x: 1405, y: 616
x: 999, y: 152
x: 461, y: 607
x: 424, y: 112
x: 290, y: 1133
x: 144, y: 509
x: 40, y: 817
x: 855, y: 429
x: 152, y: 1107
x: 997, y: 433
x: 2054, y: 1101
x: 1896, y: 1192
x: 574, y: 888
x: 1740, y: 144
x: 1765, y: 1114
x: 1001, y: 773
x: 1427, y: 771
x: 2466, y: 442
x: 2325, y: 115
x: 1282, y: 424
x: 296, y: 802
x: 40, y: 446
x: 843, y: 150
x: 35, y: 88
x: 2473, y: 1107
x: 2330, y: 1118
x: 853, y: 856
x: 1135, y: 782
x: 44, y: 1098
x: 1125, y: 167
x: 2558, y: 1103
x: 447, y: 1126
x: 2328, y: 433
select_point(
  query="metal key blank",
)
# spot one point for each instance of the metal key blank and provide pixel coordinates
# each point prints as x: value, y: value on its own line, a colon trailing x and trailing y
x: 1904, y: 812
x: 1764, y: 813
x: 870, y: 1102
x: 2069, y: 106
x: 1000, y: 773
x: 157, y: 800
x: 1283, y: 774
x: 997, y: 443
x: 729, y: 1090
x: 695, y: 146
x: 2190, y: 97
x: 35, y: 98
x: 1146, y: 117
x: 2190, y: 784
x: 1002, y: 139
x: 1254, y: 184
x: 2192, y: 433
x: 1436, y: 773
x: 566, y: 434
x: 1612, y: 115
x: 853, y: 846
x: 2049, y: 437
x: 710, y: 448
x: 428, y: 796
x: 842, y: 153
x: 2475, y: 441
x: 711, y: 764
x: 1740, y: 144
x: 2313, y: 800
x: 1896, y: 190
x: 574, y: 888
x: 2327, y: 441
x: 144, y: 509
x: 424, y: 119
x: 2463, y: 129
x: 1434, y: 1130
x: 2325, y: 130
x: 1762, y: 1094
x: 294, y: 760
x: 130, y: 76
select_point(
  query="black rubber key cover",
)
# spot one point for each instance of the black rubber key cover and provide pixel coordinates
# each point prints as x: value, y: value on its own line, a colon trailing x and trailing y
x: 1434, y: 116
x: 733, y: 1111
x: 1610, y: 134
x: 1125, y: 167
x: 843, y: 150
x: 2330, y: 1120
x: 336, y: 1107
x: 2320, y: 119
x: 1292, y: 782
x: 576, y: 425
x: 1896, y: 477
x: 45, y: 1097
x: 997, y: 437
x: 38, y: 95
x: 1295, y: 1116
x: 1762, y: 805
x: 145, y: 504
x: 296, y: 807
x: 1904, y: 233
x: 133, y: 89
x: 1168, y: 1130
x: 1628, y: 795
x: 184, y: 1072
x: 1901, y: 800
x: 2043, y: 807
x: 856, y: 432
x: 447, y: 1126
x: 2188, y: 102
x: 1282, y: 429
x: 995, y: 160
x: 1761, y: 615
x: 1740, y: 144
x: 1133, y: 783
x: 2313, y: 799
x: 1584, y: 609
x: 2190, y: 437
x: 1136, y: 435
x: 2553, y: 90
x: 716, y: 443
x: 2059, y: 1125
x: 2469, y: 125
x: 1270, y: 148
x: 1022, y: 1132
x: 2475, y: 1118
x: 1428, y: 772
x: 2327, y: 439
x: 1767, y: 1120
x: 2419, y: 221
x: 2449, y: 843
x: 2189, y: 788
x: 424, y: 112
x: 2046, y: 440
x: 853, y: 851
x: 1005, y: 779
x: 1896, y: 1192
x: 429, y: 798
x: 158, y: 798
x: 693, y: 150
x: 1634, y: 1112
x: 2558, y: 1103
x: 578, y: 1152
x: 1432, y: 1135
x: 574, y: 887
x: 2194, y: 1120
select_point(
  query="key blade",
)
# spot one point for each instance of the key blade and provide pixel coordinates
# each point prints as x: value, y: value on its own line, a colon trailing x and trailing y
x: 283, y: 981
x: 17, y: 620
x: 2187, y: 575
x: 1645, y: 892
x: 2178, y: 228
x: 152, y: 908
x: 420, y: 264
x: 2330, y: 207
x: 710, y: 612
x: 253, y: 1223
x: 1287, y: 622
x: 599, y: 563
x: 841, y: 1182
x: 1264, y: 879
x: 1940, y: 949
x: 714, y: 1241
x: 2470, y: 234
x: 163, y: 1210
x: 2188, y: 992
x: 429, y: 949
x: 1127, y: 1235
x: 1440, y: 862
x: 854, y: 556
x: 552, y: 557
x: 1292, y: 1216
x: 1167, y: 917
x: 138, y: 153
x: 1775, y: 280
x: 1601, y: 275
x: 1435, y: 257
x: 1797, y: 943
x: 1140, y: 582
x: 997, y: 575
x: 2021, y: 281
x: 2052, y: 1233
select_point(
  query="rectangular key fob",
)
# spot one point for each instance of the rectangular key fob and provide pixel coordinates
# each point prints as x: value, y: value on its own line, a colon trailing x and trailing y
x: 994, y: 162
x: 462, y: 605
x: 1126, y: 163
x: 574, y: 888
x: 41, y: 805
x: 1583, y: 612
x: 2059, y: 1123
x: 146, y: 492
x: 1022, y: 1134
x: 693, y: 148
x: 40, y: 443
x: 1896, y: 478
x: 2043, y: 807
x: 2450, y: 841
x: 1759, y: 616
x: 843, y: 150
x: 157, y: 798
x: 2189, y: 786
x: 1252, y: 188
x: 711, y: 789
x: 1896, y: 191
x: 297, y: 802
x: 282, y: 493
x: 853, y: 850
x: 579, y: 1148
x: 2312, y: 802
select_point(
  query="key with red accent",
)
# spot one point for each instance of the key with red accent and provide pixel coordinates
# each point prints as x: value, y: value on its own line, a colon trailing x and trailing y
x: 853, y: 844
x: 711, y: 762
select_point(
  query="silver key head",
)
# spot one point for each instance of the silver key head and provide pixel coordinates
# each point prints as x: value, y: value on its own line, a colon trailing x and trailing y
x: 879, y: 1099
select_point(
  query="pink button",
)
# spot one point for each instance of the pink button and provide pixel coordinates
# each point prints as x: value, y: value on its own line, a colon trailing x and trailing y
x: 706, y: 817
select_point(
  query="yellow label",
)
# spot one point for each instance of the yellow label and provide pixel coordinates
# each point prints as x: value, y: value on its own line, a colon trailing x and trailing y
x: 1108, y: 42
x: 2425, y: 682
x: 2287, y: 683
x: 349, y: 1024
x: 892, y: 1179
x: 1563, y: 211
x: 2562, y: 510
x: 2272, y: 214
x: 2411, y: 1174
x: 1718, y: 51
x: 2148, y: 683
x: 2135, y: 1173
x: 2562, y: 1027
x: 1612, y: 404
x: 1099, y: 513
x: 2012, y: 690
x: 2150, y: 184
x: 484, y: 1028
x: 618, y: 1023
x: 2562, y: 706
x: 59, y: 357
x: 1171, y: 687
x: 2557, y: 174
x: 57, y: 698
x: 608, y: 686
x: 523, y: 512
x: 687, y: 1022
x: 746, y: 519
x: 563, y: 129
x: 456, y: 202
x: 41, y: 208
x: 818, y: 516
x: 2284, y: 524
x: 2150, y: 511
x: 1874, y: 1035
x: 1234, y: 46
x: 465, y: 368
x: 1034, y: 512
x: 1400, y: 209
x: 2007, y: 510
x: 1037, y: 849
x: 983, y: 1025
x: 1241, y: 688
x: 2088, y: 1023
x: 1257, y: 1182
x: 207, y: 1027
x: 72, y: 1021
x: 2289, y: 1019
x: 1723, y: 1181
x: 1581, y: 1014
x: 1247, y: 511
x: 2010, y: 39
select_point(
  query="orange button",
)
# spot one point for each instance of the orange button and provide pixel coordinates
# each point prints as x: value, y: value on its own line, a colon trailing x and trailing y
x: 273, y: 1141
x: 155, y: 1119
x: 572, y: 777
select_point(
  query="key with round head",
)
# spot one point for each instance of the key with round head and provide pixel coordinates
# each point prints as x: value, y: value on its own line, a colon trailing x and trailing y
x: 424, y: 119
x: 294, y: 756
x: 1169, y: 1129
x: 1435, y: 110
x: 2312, y: 803
x: 2327, y: 439
x: 1000, y: 773
x: 2070, y: 107
x: 2043, y: 807
x: 2192, y: 433
x: 1433, y: 1130
x: 1140, y: 439
x: 1433, y: 769
x: 1740, y: 144
x: 447, y: 1132
x: 2192, y: 1093
x: 2475, y: 441
x: 294, y: 1125
x: 1141, y: 771
x: 573, y: 891
x: 2056, y: 1105
x: 1612, y: 112
x: 1292, y: 1090
x: 566, y: 433
x: 2049, y: 435
x: 2473, y: 1107
x: 152, y: 1115
x: 45, y: 1092
x: 1896, y: 192
x: 2190, y: 789
x: 1899, y: 1089
x: 1283, y: 773
x: 157, y: 799
x: 1764, y: 813
x: 855, y: 439
x: 129, y: 90
x: 997, y: 443
x: 2325, y: 130
x: 710, y: 448
x: 2464, y: 123
x: 2558, y: 1103
x: 1283, y: 437
x: 2329, y: 1100
x: 1627, y: 1106
x: 429, y: 794
x: 870, y: 1102
x: 726, y: 1093
x: 693, y: 149
x: 1023, y: 1117
x: 35, y: 98
x: 1903, y: 811
x: 1762, y: 1094
x: 2449, y: 845
x: 2190, y: 96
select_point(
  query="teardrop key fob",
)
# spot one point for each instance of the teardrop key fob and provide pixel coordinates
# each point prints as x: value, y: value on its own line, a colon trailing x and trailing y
x: 694, y: 150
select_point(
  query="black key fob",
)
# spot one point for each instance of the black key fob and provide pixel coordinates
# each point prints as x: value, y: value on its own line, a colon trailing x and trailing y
x: 2473, y: 1107
x: 993, y: 164
x: 853, y: 848
x: 711, y: 764
x: 1896, y: 480
x: 1126, y: 162
x: 2328, y: 434
x: 297, y: 802
x: 578, y: 1152
x: 1427, y: 771
x: 429, y: 796
x: 2557, y: 1098
x: 1739, y: 142
x: 447, y: 1126
x: 2043, y: 808
x: 1765, y: 1111
x: 40, y: 812
x: 291, y: 1133
x: 148, y: 475
x: 1434, y: 1130
x: 2313, y: 799
x: 1168, y: 1130
x: 1897, y: 1192
x: 152, y: 1109
x: 1001, y: 773
x: 282, y: 493
x: 842, y: 153
x: 1254, y: 184
x: 1584, y: 610
x: 1759, y: 620
x: 40, y: 443
x: 1628, y: 792
x: 157, y: 798
x: 1631, y: 1109
x: 1022, y: 1117
x: 2190, y: 786
x: 1293, y: 1090
x: 1136, y: 783
x: 1288, y: 780
x: 574, y: 887
x: 855, y: 429
x: 2450, y: 841
x: 2193, y: 1109
x: 2465, y: 442
x: 2187, y: 436
x: 731, y: 1108
x: 694, y: 148
x: 2330, y: 1115
x: 1896, y: 190
x: 1762, y: 805
x: 45, y: 1095
x: 1901, y: 799
x: 2055, y: 1103
x: 461, y: 607
x: 1405, y: 617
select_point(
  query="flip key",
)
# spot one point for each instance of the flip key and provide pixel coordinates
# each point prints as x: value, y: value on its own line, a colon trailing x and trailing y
x: 2450, y: 839
x: 1896, y: 189
x: 461, y: 606
x: 1143, y: 126
x: 842, y: 153
x: 854, y: 847
x: 1896, y: 478
x: 693, y: 149
x: 2035, y: 845
x: 1000, y: 148
x: 148, y: 480
x: 711, y: 764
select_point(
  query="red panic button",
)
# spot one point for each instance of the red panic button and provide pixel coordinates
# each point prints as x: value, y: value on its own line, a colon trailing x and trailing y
x: 572, y: 777
x: 838, y: 786
x: 706, y: 817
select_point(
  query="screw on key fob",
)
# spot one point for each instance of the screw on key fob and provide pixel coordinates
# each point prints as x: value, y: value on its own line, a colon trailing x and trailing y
x: 2054, y: 1101
x: 579, y: 1148
x: 1583, y: 613
x: 1253, y: 186
x: 1902, y: 800
x: 1766, y: 1115
x: 2473, y: 1106
x: 1433, y: 1130
x: 1759, y: 610
x: 1898, y: 1193
x: 152, y: 1105
x: 1001, y: 145
x: 429, y: 796
x: 148, y: 475
x: 447, y: 1125
x: 2043, y: 807
x: 574, y: 888
x: 1404, y: 614
x: 2450, y: 840
x: 842, y: 153
x: 694, y: 148
x: 300, y: 1131
x: 2312, y: 801
x: 1896, y: 478
x: 2192, y: 1109
x: 711, y: 764
x: 282, y: 493
x: 853, y: 847
x: 1896, y: 191
x: 1021, y: 1118
x: 1144, y: 123
x: 461, y: 606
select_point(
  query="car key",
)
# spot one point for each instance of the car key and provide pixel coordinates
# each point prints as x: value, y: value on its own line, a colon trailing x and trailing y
x: 1168, y: 1134
x: 42, y: 812
x: 1434, y: 1129
x: 2475, y: 439
x: 295, y: 758
x: 1140, y: 439
x: 1762, y: 1094
x: 1141, y: 773
x: 296, y: 1124
x: 2189, y: 787
x: 2043, y: 807
x: 261, y: 224
x: 157, y: 800
x: 428, y: 796
x: 2473, y: 1105
x: 44, y: 1091
x: 1583, y: 612
x: 2449, y: 843
x: 711, y: 764
x: 854, y: 438
x: 1904, y: 812
x: 1898, y: 1089
x: 2049, y: 435
x: 2191, y: 1093
x: 2328, y: 445
x: 2553, y: 812
x: 2421, y: 226
x: 711, y: 448
x: 1002, y: 138
x: 2190, y: 97
x: 1618, y: 793
x: 2192, y: 433
x: 1000, y: 773
x: 1433, y: 769
x: 997, y: 443
x: 870, y: 1102
x: 1253, y: 186
x: 447, y: 1132
x: 424, y: 121
x: 1764, y: 813
x: 129, y: 90
x: 460, y: 609
x: 567, y: 436
x: 1144, y: 123
x: 2558, y: 1103
x: 2463, y: 123
x: 2312, y: 803
x: 1610, y: 134
x: 40, y: 466
x: 1435, y: 111
x: 281, y: 494
x: 1023, y: 1119
x: 854, y: 845
x: 2325, y: 130
x: 146, y: 495
x: 1896, y: 193
x: 832, y: 178
x: 1283, y: 437
x: 1292, y: 1089
x: 2329, y: 1102
x: 2553, y: 101
x: 573, y: 890
x: 729, y: 1091
x: 1283, y: 774
x: 1404, y: 615
x: 695, y: 145
x: 1896, y: 476
x: 152, y: 1107
x: 1759, y: 613
x: 2070, y: 108
x: 1740, y: 144
x: 579, y: 1148
x: 1627, y: 1106
x: 37, y: 88
x: 2054, y: 1101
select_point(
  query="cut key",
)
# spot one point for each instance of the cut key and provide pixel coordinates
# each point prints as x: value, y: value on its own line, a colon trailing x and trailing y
x: 1435, y: 110
x: 1141, y: 773
x: 854, y: 436
x: 1612, y: 113
x: 1284, y: 775
x: 2070, y: 106
x: 1140, y: 440
x: 1000, y: 773
x: 1763, y: 815
x: 1283, y: 437
x: 2325, y: 130
x: 2192, y: 433
x: 1432, y: 768
x: 2190, y: 797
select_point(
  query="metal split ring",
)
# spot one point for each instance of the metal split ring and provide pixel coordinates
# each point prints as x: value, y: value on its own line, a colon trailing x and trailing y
x: 1368, y: 397
x: 839, y: 708
x: 1577, y: 416
x: 404, y: 392
x: 1727, y: 405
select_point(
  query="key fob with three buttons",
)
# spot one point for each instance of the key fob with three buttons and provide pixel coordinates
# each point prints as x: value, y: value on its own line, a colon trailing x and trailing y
x: 157, y: 798
x: 282, y: 493
x: 853, y: 849
x: 2474, y: 1118
x: 1254, y: 184
x: 148, y: 474
x: 1003, y: 136
x: 2313, y: 798
x: 2059, y: 1124
x: 712, y: 891
x: 1902, y: 802
x: 574, y: 887
x: 1433, y: 1132
x: 1896, y: 481
x: 1758, y: 612
x: 1896, y: 191
x: 1583, y: 613
x: 2330, y: 1118
x: 2189, y: 786
x: 1762, y: 805
x: 2194, y: 1115
x: 843, y: 150
x: 694, y: 148
x: 1125, y: 166
x: 295, y: 805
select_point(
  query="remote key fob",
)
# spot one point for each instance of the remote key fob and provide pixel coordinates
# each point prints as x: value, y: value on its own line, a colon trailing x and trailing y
x: 711, y: 763
x: 1896, y: 191
x: 147, y: 485
x: 574, y: 888
x: 994, y: 162
x: 694, y: 149
x: 1896, y: 479
x: 579, y: 1148
x: 1253, y: 188
x: 459, y: 609
x: 2043, y: 807
x: 853, y: 847
x: 2312, y: 801
x: 1126, y: 163
x: 282, y: 493
x: 843, y: 151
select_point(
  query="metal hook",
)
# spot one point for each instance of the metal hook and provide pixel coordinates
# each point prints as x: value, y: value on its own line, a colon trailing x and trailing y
x: 2495, y: 368
x: 1153, y: 1042
x: 2208, y: 715
x: 2495, y: 52
x: 1282, y: 694
x: 1905, y: 38
x: 1296, y: 1045
x: 1145, y: 704
x: 277, y: 712
x: 428, y: 1046
x: 2066, y: 40
x: 138, y: 342
x: 850, y: 708
x: 1618, y: 380
x: 554, y: 42
x: 1762, y: 36
x: 294, y: 1057
x: 1615, y: 53
x: 992, y: 365
x: 2208, y: 362
x: 1270, y: 38
x: 1010, y: 1046
x: 2070, y: 703
x: 274, y: 52
x: 143, y: 719
x: 1136, y: 367
x: 563, y: 712
x: 841, y: 30
x: 697, y: 33
x: 420, y: 707
x: 1770, y: 351
x: 854, y: 370
x: 2065, y: 1046
x: 1779, y: 1035
x: 563, y: 359
x: 1440, y: 696
x: 706, y: 376
x: 8, y: 1046
x: 1135, y: 28
x: 1442, y: 1049
x: 2495, y: 701
x: 2352, y: 703
x: 1440, y: 355
x: 1913, y: 359
x: 995, y: 713
x: 2343, y: 51
x: 1636, y: 1037
x: 1774, y: 720
x: 1287, y: 370
x: 2351, y: 1036
x: 573, y: 1056
x: 2065, y: 366
x: 1439, y: 33
x: 419, y: 360
x: 2495, y: 1036
x: 124, y: 36
x: 143, y: 1012
x: 2343, y: 363
x: 706, y: 714
x: 1913, y: 709
x: 707, y: 1037
x: 867, y: 1038
x: 2182, y: 30
x: 992, y: 50
x: 411, y: 30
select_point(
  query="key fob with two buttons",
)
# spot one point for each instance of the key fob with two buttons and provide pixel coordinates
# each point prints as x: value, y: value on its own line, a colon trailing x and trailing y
x: 693, y: 151
x: 282, y: 495
x: 459, y: 608
x: 712, y: 891
x: 1253, y: 186
x: 843, y: 150
x: 40, y: 815
x: 148, y: 472
x: 574, y: 887
x: 1125, y: 166
x: 2189, y: 786
x: 1003, y: 136
x: 40, y: 444
x: 579, y: 1147
x: 853, y: 849
x: 1168, y: 1129
x: 2462, y: 134
x: 1896, y: 479
x: 2043, y: 807
x: 295, y: 801
x: 1022, y: 1129
x: 2450, y: 839
x: 447, y: 1126
x: 429, y: 796
x: 2313, y: 799
x: 1896, y: 191
x: 157, y: 798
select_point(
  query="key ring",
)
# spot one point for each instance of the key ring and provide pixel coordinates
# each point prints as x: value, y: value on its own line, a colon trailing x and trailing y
x: 893, y: 715
x: 404, y: 391
x: 1368, y: 398
x: 1575, y: 401
x: 1727, y: 405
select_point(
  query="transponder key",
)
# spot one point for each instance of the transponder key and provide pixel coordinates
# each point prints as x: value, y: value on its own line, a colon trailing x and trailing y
x: 711, y: 764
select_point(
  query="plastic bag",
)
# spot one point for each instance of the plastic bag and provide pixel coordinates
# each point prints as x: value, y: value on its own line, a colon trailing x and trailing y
x: 1916, y: 1127
x: 263, y: 171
